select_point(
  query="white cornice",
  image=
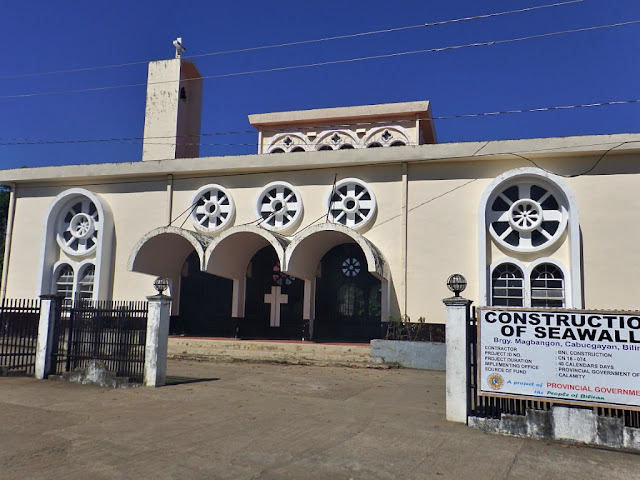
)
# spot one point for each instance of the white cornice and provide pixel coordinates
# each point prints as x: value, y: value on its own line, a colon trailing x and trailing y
x: 444, y: 152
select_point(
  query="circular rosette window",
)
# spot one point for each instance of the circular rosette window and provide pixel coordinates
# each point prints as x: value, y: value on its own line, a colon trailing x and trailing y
x: 352, y: 203
x: 527, y: 217
x: 350, y: 267
x: 212, y: 209
x: 279, y: 207
x: 79, y: 225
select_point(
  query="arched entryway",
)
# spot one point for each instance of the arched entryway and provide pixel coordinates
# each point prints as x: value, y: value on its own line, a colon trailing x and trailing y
x: 205, y: 303
x: 348, y: 297
x: 274, y: 300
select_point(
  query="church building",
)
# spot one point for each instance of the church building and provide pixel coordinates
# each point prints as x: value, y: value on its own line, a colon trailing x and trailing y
x: 343, y: 218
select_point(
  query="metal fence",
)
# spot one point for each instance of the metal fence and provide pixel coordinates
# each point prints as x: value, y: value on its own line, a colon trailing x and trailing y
x: 111, y: 332
x: 18, y: 336
x: 494, y: 407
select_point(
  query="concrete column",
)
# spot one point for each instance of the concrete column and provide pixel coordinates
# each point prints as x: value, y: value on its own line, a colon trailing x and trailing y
x: 457, y: 380
x: 155, y: 358
x: 49, y: 312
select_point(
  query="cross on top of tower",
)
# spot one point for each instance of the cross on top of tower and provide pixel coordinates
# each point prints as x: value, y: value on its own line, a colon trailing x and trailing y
x: 179, y: 47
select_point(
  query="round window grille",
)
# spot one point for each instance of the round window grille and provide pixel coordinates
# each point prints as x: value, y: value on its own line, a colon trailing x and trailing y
x: 279, y: 206
x: 351, y: 203
x: 79, y: 225
x: 212, y: 208
x: 351, y: 267
x: 527, y: 217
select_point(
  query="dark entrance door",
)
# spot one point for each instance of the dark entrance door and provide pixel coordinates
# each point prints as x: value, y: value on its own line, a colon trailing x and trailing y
x: 347, y: 297
x: 274, y: 300
x: 205, y: 303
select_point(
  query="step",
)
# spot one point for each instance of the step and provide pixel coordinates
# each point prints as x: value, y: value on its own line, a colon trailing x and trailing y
x: 297, y: 352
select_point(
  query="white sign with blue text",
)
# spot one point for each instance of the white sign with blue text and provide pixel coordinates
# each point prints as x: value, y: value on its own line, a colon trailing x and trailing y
x: 575, y: 356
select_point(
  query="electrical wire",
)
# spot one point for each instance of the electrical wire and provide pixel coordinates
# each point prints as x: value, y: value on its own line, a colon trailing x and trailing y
x: 386, y: 30
x: 301, y: 42
x: 331, y: 62
x: 136, y: 140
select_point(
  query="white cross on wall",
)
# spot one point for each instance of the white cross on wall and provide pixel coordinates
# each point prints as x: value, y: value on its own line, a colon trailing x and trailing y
x: 275, y: 298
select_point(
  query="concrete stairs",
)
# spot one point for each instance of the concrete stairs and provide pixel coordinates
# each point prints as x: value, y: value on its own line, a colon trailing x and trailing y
x: 276, y: 351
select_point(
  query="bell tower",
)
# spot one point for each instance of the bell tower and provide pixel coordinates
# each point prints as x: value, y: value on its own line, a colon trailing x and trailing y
x: 174, y: 109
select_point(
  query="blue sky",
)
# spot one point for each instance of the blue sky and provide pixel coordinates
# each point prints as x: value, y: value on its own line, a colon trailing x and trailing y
x: 44, y: 36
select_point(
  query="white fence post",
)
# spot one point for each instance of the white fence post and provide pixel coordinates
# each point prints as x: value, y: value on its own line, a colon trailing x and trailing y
x: 457, y: 381
x: 155, y: 359
x: 49, y: 311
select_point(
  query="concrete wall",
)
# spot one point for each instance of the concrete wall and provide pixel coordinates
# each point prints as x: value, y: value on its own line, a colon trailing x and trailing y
x: 420, y: 355
x: 564, y: 424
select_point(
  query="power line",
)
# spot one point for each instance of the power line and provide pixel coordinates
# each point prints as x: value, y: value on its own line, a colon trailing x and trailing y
x: 301, y: 42
x: 334, y: 62
x: 386, y: 30
x: 135, y: 140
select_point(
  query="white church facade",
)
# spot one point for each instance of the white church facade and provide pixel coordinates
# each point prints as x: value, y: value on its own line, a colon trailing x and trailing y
x: 343, y: 218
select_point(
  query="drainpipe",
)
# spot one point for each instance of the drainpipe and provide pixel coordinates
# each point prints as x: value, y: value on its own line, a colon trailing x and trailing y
x: 405, y: 223
x: 7, y: 240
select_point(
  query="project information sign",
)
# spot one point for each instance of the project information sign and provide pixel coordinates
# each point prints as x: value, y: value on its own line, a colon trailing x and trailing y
x: 576, y: 356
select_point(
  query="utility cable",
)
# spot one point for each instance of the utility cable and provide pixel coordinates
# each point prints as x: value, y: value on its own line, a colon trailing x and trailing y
x: 331, y: 62
x: 301, y: 42
x: 131, y: 140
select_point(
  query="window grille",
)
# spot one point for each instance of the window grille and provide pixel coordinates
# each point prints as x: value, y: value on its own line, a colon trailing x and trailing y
x: 64, y: 284
x: 85, y: 285
x: 547, y: 286
x: 507, y: 286
x: 350, y: 300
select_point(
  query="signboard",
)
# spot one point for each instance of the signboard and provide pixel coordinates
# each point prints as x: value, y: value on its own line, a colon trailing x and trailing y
x: 576, y: 356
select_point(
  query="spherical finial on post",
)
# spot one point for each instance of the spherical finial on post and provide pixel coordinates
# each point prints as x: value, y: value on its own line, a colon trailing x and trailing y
x: 161, y: 284
x: 456, y: 283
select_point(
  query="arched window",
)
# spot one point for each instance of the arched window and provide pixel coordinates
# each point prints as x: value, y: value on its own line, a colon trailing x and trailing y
x: 547, y: 286
x: 298, y: 149
x: 64, y: 283
x: 277, y: 150
x: 325, y: 147
x: 507, y: 286
x: 347, y: 146
x: 398, y: 143
x: 85, y: 283
x: 374, y: 145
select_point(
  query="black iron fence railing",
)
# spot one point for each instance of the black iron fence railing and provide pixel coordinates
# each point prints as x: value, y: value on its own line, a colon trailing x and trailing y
x: 494, y: 407
x: 111, y: 332
x: 19, y: 320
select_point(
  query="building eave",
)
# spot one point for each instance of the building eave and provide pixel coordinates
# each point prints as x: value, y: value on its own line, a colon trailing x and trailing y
x: 444, y: 152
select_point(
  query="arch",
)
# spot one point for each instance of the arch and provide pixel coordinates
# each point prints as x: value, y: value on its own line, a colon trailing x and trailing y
x: 504, y: 262
x: 277, y: 142
x: 568, y: 281
x: 230, y: 252
x: 162, y: 251
x: 401, y: 134
x: 318, y: 143
x: 560, y: 188
x: 99, y: 255
x: 308, y: 247
x: 229, y: 255
x: 66, y: 287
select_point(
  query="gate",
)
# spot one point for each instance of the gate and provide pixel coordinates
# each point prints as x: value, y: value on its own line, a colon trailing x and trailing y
x: 111, y: 332
x: 18, y: 336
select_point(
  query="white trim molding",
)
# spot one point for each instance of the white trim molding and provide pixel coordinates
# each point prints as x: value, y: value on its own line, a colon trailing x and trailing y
x: 564, y: 212
x: 96, y: 225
